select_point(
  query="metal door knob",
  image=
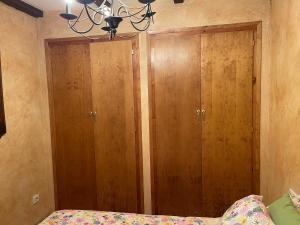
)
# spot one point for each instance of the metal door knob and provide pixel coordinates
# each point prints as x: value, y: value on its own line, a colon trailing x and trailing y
x: 93, y: 115
x: 201, y: 113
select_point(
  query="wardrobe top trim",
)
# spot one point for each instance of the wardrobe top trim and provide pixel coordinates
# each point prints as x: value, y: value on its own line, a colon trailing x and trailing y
x: 84, y: 40
x: 211, y: 29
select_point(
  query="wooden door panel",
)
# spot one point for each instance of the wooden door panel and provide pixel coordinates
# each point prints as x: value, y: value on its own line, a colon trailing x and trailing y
x: 226, y: 86
x: 74, y: 154
x: 176, y: 128
x: 115, y: 143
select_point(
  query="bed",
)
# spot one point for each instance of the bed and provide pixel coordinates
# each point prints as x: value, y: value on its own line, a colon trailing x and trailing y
x: 82, y: 217
x: 247, y: 211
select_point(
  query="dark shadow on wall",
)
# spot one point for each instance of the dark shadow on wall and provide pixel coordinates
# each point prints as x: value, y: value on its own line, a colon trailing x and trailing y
x: 2, y: 114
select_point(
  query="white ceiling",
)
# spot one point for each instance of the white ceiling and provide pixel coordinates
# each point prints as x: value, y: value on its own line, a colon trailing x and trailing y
x: 47, y: 5
x: 56, y: 5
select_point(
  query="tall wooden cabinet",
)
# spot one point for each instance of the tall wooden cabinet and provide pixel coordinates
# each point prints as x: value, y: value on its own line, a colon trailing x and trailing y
x: 72, y: 126
x: 176, y: 69
x: 95, y: 118
x: 227, y: 74
x: 203, y: 119
x: 204, y: 95
x: 117, y: 164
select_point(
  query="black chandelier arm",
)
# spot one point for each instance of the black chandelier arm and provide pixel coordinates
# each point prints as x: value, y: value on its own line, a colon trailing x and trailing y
x: 129, y: 14
x: 143, y: 29
x: 91, y: 8
x: 82, y: 32
x: 140, y: 21
x: 139, y: 17
x: 77, y: 19
x: 89, y: 16
x: 144, y: 17
x: 72, y: 26
x: 152, y: 17
x: 96, y: 13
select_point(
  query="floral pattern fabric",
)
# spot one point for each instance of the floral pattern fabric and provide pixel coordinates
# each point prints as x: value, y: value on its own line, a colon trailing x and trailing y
x: 80, y: 217
x: 247, y: 211
x: 295, y: 199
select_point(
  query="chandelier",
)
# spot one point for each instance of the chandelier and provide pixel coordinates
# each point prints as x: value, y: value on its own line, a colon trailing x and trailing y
x: 107, y: 14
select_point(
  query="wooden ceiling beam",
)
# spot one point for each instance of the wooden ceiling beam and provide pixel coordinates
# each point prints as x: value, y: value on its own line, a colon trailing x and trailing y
x: 24, y: 7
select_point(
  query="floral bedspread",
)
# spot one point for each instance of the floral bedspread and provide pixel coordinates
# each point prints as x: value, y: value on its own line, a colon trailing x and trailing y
x: 80, y: 217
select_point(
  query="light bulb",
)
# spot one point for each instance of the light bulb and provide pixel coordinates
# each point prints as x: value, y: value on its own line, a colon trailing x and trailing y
x: 69, y: 6
x: 106, y: 11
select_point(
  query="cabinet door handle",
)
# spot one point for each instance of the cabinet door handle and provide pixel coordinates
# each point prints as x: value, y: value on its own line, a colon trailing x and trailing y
x: 93, y: 115
x: 201, y: 114
x: 198, y: 112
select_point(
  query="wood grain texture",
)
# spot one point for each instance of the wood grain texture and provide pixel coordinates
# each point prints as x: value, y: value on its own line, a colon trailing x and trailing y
x: 176, y: 128
x: 257, y: 65
x: 227, y: 130
x: 2, y: 114
x: 74, y: 154
x: 231, y: 124
x: 117, y: 161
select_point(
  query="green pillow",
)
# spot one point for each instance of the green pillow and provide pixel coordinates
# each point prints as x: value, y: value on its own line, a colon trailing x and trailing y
x: 283, y: 212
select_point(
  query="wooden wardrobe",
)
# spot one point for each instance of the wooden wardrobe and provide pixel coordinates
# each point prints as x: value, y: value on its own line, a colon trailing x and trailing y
x: 95, y: 124
x: 204, y: 110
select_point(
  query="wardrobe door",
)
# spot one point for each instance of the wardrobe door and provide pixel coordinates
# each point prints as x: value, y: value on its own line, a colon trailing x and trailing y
x: 176, y: 124
x: 116, y: 121
x: 72, y: 128
x: 227, y: 79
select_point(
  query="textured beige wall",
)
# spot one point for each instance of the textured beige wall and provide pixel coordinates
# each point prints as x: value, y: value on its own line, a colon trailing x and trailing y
x: 190, y: 14
x: 284, y: 146
x: 25, y: 167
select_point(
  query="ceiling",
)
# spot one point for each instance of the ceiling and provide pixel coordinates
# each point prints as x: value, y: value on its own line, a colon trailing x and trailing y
x: 47, y: 5
x: 56, y: 5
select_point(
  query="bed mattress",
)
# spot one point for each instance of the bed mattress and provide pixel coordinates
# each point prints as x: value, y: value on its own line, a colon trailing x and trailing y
x: 81, y: 217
